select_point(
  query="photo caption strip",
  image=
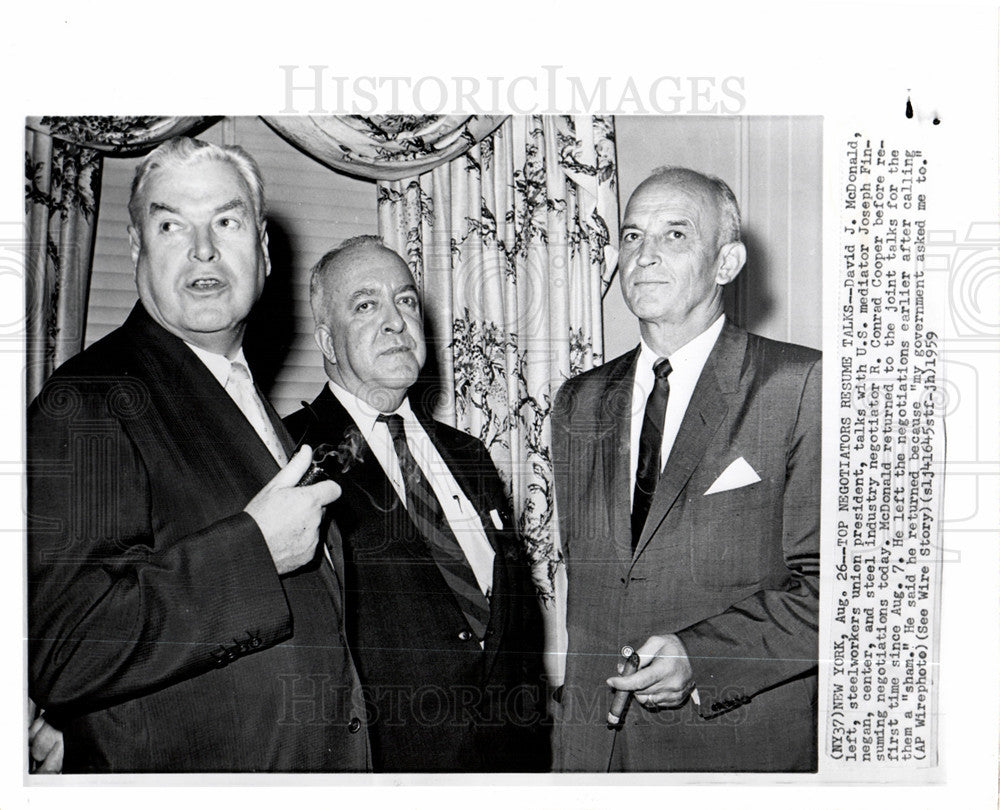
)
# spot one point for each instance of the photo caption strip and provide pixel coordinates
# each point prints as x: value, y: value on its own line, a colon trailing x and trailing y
x: 884, y: 592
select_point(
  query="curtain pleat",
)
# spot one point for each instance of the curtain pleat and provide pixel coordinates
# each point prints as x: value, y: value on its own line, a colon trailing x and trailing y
x: 384, y: 147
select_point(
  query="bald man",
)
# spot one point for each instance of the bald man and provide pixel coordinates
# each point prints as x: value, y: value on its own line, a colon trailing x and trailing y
x: 442, y: 622
x: 688, y: 487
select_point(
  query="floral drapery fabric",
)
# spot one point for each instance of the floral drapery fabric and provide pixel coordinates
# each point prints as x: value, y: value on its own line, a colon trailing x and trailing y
x: 384, y: 147
x: 62, y: 180
x: 513, y: 245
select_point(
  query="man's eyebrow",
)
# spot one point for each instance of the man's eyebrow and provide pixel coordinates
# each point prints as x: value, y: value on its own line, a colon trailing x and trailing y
x: 235, y: 204
x: 364, y: 292
x: 156, y: 208
x: 232, y: 205
x: 407, y: 288
x: 673, y: 223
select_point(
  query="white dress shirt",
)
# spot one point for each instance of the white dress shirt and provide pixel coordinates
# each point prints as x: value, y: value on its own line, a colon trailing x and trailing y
x: 220, y: 367
x: 219, y: 364
x: 458, y: 511
x: 686, y: 365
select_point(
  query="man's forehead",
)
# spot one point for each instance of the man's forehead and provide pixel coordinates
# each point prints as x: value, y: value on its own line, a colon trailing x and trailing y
x: 209, y: 183
x: 674, y: 198
x: 370, y: 267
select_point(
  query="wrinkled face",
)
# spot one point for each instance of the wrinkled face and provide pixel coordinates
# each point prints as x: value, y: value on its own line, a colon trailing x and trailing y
x: 374, y: 329
x: 200, y: 259
x: 670, y: 266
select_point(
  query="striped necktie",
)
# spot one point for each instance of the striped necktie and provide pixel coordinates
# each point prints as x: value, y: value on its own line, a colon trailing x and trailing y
x: 425, y: 510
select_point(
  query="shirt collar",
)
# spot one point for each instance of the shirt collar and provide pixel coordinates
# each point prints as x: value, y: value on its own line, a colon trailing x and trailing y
x: 692, y: 354
x: 219, y: 364
x: 363, y: 414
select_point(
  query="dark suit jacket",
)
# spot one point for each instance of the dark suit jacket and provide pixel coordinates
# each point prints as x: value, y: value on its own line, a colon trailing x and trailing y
x: 161, y: 636
x: 437, y: 701
x: 735, y: 574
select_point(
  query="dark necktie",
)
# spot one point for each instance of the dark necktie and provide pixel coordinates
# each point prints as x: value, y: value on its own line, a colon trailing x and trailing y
x: 425, y: 510
x: 647, y: 471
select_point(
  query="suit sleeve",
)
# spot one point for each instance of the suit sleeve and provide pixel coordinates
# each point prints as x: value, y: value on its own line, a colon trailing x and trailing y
x: 772, y: 636
x: 115, y: 610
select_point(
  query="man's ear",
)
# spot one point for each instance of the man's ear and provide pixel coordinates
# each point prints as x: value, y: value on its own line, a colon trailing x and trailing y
x: 134, y: 245
x: 324, y: 340
x: 732, y: 257
x: 263, y: 248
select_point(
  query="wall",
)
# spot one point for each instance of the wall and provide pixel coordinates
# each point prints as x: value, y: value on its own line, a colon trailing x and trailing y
x: 774, y: 166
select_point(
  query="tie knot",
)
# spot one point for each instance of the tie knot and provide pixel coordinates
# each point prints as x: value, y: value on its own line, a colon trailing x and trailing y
x: 238, y: 373
x: 395, y: 424
x: 662, y: 369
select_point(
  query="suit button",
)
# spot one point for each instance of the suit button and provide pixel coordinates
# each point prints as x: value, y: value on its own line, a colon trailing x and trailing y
x: 354, y: 726
x: 465, y: 635
x: 254, y: 643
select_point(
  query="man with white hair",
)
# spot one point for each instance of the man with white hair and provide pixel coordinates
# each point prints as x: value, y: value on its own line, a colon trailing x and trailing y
x: 183, y: 615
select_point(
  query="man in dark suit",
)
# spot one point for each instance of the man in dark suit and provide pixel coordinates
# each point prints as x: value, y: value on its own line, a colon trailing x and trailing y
x: 688, y: 475
x: 442, y: 620
x: 182, y: 614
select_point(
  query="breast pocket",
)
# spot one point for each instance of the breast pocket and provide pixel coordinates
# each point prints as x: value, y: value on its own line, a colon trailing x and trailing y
x: 733, y: 535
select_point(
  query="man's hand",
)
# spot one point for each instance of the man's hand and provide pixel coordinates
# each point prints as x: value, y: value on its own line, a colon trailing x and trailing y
x: 289, y: 516
x: 46, y: 746
x: 665, y: 678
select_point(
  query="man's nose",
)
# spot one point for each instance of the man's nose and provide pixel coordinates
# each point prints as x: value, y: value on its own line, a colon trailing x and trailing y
x: 393, y: 321
x: 648, y: 253
x: 203, y: 247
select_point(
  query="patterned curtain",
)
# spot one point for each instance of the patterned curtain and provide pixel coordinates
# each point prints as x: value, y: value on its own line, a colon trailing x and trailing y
x: 513, y: 246
x: 62, y: 174
x: 384, y: 147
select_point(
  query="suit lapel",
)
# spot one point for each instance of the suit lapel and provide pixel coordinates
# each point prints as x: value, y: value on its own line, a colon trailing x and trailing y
x: 328, y: 423
x: 366, y: 478
x: 499, y: 602
x: 708, y: 407
x: 331, y: 424
x: 460, y: 470
x: 194, y: 396
x: 616, y: 432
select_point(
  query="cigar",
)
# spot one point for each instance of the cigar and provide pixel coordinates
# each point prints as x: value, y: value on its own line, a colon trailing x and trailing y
x: 313, y: 474
x: 316, y: 472
x: 620, y: 700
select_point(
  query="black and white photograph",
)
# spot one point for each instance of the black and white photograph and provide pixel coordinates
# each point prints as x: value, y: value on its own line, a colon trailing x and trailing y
x: 192, y: 591
x: 395, y: 430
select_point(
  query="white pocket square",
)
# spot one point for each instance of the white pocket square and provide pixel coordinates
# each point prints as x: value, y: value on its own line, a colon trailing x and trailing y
x: 738, y: 474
